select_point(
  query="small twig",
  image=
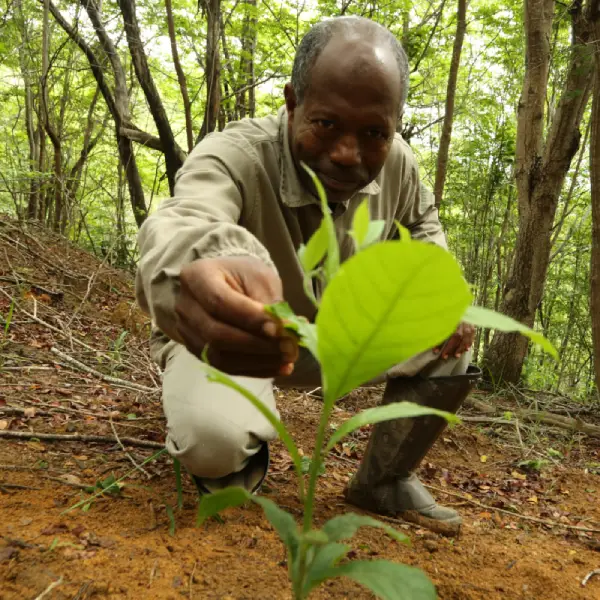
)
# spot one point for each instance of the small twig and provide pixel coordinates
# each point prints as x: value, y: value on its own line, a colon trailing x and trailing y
x: 16, y: 486
x: 518, y: 429
x: 76, y: 437
x: 108, y: 378
x: 50, y: 588
x: 513, y: 514
x: 589, y: 576
x: 141, y: 469
x: 192, y: 577
x: 152, y: 573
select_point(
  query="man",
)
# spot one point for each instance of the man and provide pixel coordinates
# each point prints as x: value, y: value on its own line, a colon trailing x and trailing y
x: 225, y: 245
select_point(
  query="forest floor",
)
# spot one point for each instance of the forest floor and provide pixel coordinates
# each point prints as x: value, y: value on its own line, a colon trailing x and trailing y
x: 528, y: 493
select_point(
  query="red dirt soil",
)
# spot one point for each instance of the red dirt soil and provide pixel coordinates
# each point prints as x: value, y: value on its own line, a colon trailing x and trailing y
x: 121, y: 546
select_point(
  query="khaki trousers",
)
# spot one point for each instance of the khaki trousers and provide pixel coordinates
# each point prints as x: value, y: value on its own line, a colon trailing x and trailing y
x: 214, y: 431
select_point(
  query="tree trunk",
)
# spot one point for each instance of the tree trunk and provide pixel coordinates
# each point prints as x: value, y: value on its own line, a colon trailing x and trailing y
x: 41, y: 135
x: 32, y: 139
x: 595, y: 184
x: 540, y: 171
x: 213, y: 67
x: 189, y: 128
x: 117, y: 105
x: 442, y: 157
x: 171, y: 149
x: 246, y: 80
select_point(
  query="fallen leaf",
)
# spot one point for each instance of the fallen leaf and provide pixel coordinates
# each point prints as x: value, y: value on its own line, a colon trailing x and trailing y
x: 7, y: 553
x: 37, y: 446
x: 3, y: 424
x: 533, y: 500
x: 68, y: 478
x: 483, y: 458
x: 54, y: 529
x: 517, y: 475
x: 82, y: 457
x: 29, y: 412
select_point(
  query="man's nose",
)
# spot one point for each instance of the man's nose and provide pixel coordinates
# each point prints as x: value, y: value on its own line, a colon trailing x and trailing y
x: 346, y: 151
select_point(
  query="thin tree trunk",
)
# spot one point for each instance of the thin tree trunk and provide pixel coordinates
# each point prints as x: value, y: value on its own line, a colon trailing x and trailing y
x: 541, y: 170
x: 213, y: 67
x: 246, y: 81
x: 115, y: 104
x: 32, y: 200
x: 442, y: 157
x: 41, y: 199
x: 595, y: 184
x: 187, y: 108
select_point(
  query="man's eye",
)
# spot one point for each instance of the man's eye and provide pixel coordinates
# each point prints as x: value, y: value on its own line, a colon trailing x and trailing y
x: 325, y: 123
x: 377, y: 134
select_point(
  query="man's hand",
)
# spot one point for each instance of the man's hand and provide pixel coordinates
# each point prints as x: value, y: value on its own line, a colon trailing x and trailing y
x: 458, y: 343
x: 221, y: 303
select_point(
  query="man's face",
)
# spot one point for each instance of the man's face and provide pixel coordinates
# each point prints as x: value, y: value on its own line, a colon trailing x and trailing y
x: 344, y: 128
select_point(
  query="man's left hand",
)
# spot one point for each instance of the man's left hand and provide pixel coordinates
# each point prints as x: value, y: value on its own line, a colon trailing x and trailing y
x: 458, y: 343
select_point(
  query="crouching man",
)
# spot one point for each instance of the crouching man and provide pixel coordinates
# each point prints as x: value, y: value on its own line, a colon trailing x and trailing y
x: 225, y: 245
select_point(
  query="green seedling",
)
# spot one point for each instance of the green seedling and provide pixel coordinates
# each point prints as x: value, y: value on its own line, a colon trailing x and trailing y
x: 390, y: 301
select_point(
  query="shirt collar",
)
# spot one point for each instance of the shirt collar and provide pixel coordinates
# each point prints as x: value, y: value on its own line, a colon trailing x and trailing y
x: 293, y: 193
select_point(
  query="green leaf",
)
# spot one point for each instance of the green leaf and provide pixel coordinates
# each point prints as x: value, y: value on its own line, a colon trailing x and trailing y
x: 345, y: 526
x: 282, y: 521
x: 403, y: 232
x: 216, y: 375
x: 374, y: 233
x: 212, y: 504
x: 171, y: 517
x: 387, y: 580
x: 306, y: 331
x: 360, y: 223
x: 396, y: 410
x: 484, y: 317
x: 387, y: 303
x: 325, y: 558
x: 314, y: 251
x: 314, y: 537
x: 332, y: 259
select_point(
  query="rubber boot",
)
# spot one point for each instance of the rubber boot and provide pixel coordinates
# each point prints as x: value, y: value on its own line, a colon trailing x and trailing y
x: 385, y: 482
x: 251, y: 477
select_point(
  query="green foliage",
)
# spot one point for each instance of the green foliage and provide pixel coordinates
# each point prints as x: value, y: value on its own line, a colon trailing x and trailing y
x: 390, y: 320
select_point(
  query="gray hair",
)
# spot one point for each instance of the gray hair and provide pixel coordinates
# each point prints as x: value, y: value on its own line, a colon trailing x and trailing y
x: 314, y: 42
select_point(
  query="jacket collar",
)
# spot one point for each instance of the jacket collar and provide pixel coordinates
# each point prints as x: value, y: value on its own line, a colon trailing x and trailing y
x: 292, y: 192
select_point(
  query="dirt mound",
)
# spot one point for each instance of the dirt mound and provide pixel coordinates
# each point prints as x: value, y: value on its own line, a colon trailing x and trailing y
x: 80, y: 404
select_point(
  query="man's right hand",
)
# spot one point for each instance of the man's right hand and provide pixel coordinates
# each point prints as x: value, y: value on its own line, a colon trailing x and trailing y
x: 221, y: 303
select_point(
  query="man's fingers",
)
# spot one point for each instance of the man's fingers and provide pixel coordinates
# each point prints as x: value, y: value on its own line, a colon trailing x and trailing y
x: 198, y: 329
x: 451, y: 346
x: 228, y: 305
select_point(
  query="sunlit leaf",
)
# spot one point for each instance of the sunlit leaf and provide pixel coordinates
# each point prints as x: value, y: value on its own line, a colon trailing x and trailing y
x: 345, y: 526
x: 387, y: 580
x: 360, y: 223
x: 332, y: 258
x: 396, y: 410
x: 212, y: 504
x: 314, y: 251
x: 373, y: 233
x: 484, y: 317
x: 386, y: 304
x: 306, y: 331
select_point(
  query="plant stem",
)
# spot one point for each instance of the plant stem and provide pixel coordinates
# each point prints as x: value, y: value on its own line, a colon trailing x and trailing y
x: 316, y: 462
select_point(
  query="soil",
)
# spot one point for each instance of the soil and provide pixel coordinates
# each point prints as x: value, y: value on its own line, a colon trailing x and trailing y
x: 123, y: 546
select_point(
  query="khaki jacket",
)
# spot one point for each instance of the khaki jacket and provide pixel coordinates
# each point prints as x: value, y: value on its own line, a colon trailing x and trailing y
x: 239, y: 194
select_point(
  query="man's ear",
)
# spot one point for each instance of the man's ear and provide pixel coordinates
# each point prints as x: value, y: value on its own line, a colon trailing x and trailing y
x: 290, y: 99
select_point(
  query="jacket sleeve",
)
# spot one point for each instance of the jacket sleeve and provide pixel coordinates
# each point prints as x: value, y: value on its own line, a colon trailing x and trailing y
x: 416, y: 209
x: 213, y: 189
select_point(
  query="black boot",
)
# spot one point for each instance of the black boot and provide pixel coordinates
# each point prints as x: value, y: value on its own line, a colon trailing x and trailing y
x: 385, y: 482
x: 251, y: 477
